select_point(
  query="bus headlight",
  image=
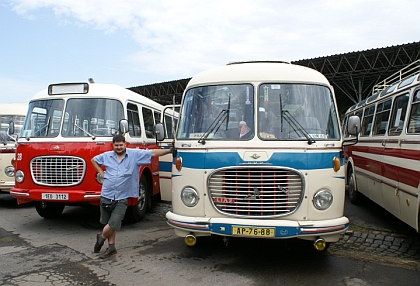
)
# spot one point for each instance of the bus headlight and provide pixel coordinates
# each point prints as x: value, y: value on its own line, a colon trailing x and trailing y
x: 19, y: 176
x: 9, y: 171
x: 323, y: 199
x: 189, y: 197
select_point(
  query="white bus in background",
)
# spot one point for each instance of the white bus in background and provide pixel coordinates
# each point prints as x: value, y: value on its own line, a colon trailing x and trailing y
x: 67, y: 124
x: 12, y: 116
x: 258, y: 153
x: 384, y: 165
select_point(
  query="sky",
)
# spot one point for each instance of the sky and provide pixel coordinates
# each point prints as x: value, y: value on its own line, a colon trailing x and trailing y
x: 135, y: 42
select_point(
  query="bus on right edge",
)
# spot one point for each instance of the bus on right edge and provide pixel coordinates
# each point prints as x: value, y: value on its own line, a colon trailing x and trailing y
x: 384, y: 164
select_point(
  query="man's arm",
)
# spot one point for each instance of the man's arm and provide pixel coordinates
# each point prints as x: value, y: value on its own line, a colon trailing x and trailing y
x: 97, y: 168
x: 161, y: 152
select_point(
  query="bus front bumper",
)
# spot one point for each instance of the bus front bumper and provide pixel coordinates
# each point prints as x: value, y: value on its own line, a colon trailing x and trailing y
x: 272, y: 228
x: 55, y: 195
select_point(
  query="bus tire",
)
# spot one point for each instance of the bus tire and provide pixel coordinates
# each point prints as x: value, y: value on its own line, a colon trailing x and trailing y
x: 136, y: 213
x: 352, y: 192
x: 49, y: 210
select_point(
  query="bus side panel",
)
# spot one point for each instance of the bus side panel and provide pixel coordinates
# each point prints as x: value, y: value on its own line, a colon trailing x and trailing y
x: 409, y: 185
x: 390, y: 180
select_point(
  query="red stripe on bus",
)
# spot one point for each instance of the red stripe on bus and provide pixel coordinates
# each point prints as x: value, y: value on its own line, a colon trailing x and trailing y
x: 395, y: 173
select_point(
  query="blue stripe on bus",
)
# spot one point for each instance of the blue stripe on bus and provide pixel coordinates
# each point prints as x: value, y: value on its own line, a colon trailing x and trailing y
x: 165, y: 166
x: 301, y: 161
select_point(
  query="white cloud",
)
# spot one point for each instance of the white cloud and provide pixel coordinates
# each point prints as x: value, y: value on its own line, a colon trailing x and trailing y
x: 183, y: 37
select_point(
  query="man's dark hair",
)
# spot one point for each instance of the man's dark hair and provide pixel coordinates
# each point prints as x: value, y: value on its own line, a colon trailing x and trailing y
x: 118, y: 138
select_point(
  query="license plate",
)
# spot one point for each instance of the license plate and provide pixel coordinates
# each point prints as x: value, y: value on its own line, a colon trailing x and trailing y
x: 253, y: 231
x: 53, y: 196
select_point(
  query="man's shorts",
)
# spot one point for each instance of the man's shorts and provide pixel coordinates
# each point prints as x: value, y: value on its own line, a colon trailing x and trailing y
x: 113, y: 218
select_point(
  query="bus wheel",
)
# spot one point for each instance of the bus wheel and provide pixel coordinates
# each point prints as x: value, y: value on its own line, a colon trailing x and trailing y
x: 49, y: 210
x: 353, y: 194
x: 136, y: 213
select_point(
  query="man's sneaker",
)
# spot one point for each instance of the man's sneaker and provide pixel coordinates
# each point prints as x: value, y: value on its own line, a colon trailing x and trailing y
x: 98, y: 245
x: 108, y: 252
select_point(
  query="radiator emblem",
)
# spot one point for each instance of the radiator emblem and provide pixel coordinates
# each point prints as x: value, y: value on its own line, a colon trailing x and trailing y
x: 254, y: 196
x: 283, y: 190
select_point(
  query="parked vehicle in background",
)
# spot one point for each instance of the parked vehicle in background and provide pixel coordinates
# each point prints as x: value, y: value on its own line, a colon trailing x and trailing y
x: 68, y: 124
x: 384, y: 165
x: 259, y: 154
x: 12, y: 116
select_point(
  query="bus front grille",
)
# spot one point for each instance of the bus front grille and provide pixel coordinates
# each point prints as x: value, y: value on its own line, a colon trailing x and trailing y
x: 256, y: 191
x: 57, y: 171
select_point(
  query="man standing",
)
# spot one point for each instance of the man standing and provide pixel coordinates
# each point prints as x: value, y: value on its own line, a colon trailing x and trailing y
x: 121, y: 181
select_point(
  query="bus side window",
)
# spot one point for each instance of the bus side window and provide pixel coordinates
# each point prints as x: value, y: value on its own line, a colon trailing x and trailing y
x: 133, y: 120
x: 157, y: 117
x: 382, y: 117
x: 396, y: 124
x: 414, y: 121
x: 367, y: 121
x: 149, y: 122
x: 168, y: 126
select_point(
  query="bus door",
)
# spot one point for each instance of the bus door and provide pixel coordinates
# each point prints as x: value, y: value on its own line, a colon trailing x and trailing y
x: 169, y: 118
x: 389, y: 152
x: 368, y: 162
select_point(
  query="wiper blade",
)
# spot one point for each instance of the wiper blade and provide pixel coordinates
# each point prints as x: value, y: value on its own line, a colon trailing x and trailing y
x: 215, y: 125
x: 297, y: 127
x: 83, y: 130
x: 46, y: 126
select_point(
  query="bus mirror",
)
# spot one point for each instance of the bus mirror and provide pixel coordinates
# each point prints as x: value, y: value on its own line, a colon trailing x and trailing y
x: 123, y: 126
x: 353, y: 125
x: 160, y: 132
x: 11, y: 129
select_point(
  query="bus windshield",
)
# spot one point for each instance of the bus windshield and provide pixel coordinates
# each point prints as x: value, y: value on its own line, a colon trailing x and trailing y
x: 284, y: 112
x: 91, y: 117
x: 296, y: 112
x: 43, y: 118
x: 218, y: 112
x: 83, y: 117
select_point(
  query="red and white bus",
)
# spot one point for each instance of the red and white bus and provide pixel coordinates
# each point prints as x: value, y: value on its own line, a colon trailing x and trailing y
x: 12, y: 116
x: 68, y: 124
x: 384, y: 165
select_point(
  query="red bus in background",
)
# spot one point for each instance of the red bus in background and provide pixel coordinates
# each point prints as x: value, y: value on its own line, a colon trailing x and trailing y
x: 68, y: 124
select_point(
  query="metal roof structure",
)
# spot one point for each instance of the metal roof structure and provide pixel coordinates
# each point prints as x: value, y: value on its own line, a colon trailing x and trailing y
x: 353, y: 75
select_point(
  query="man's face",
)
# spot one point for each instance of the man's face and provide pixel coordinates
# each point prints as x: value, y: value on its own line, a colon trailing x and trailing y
x: 119, y: 147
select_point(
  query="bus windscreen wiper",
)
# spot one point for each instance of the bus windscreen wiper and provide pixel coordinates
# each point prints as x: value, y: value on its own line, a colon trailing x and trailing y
x: 83, y: 130
x: 217, y: 122
x: 297, y: 127
x: 215, y: 125
x: 45, y: 128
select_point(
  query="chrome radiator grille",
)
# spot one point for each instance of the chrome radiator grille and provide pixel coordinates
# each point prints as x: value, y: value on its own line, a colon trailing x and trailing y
x: 57, y: 171
x: 256, y: 191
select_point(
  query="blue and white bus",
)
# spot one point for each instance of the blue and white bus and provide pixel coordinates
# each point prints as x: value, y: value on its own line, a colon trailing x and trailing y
x: 258, y: 153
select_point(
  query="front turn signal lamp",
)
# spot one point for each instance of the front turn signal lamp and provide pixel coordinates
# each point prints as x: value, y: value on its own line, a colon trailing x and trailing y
x: 178, y: 163
x: 336, y: 164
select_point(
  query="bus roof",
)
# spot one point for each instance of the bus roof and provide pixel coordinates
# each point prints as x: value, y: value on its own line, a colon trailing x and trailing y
x: 259, y: 72
x: 17, y: 108
x: 103, y: 91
